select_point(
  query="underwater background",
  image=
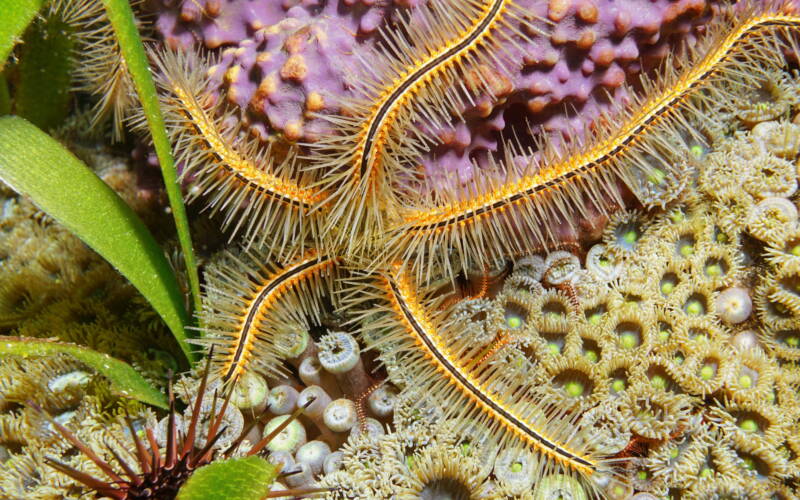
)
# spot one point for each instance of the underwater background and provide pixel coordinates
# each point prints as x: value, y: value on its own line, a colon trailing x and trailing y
x: 436, y: 249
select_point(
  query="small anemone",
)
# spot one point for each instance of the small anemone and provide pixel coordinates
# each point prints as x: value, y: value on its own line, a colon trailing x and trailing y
x: 559, y: 487
x: 441, y: 472
x: 655, y: 414
x: 752, y: 419
x: 313, y: 454
x: 717, y: 265
x: 281, y: 399
x: 575, y: 383
x: 779, y: 138
x: 516, y: 469
x: 471, y: 318
x: 624, y: 233
x: 786, y: 252
x: 785, y: 288
x: 603, y: 264
x: 709, y: 366
x: 382, y: 400
x: 757, y: 462
x: 751, y: 374
x: 772, y: 219
x: 732, y: 209
x: 720, y: 174
x: 784, y: 344
x: 744, y: 340
x: 672, y: 459
x: 474, y: 441
x: 642, y: 476
x: 561, y: 267
x: 619, y: 372
x: 532, y: 266
x: 772, y: 177
x: 293, y: 342
x: 631, y: 328
x: 557, y: 313
x: 606, y: 428
x: 676, y: 354
x: 522, y: 284
x: 339, y: 352
x: 340, y: 415
x: 250, y: 393
x: 617, y: 489
x: 694, y: 300
x: 768, y: 101
x: 686, y: 244
x: 665, y: 330
x: 414, y: 415
x: 596, y: 309
x: 371, y: 427
x: 733, y: 305
x: 715, y: 461
x: 660, y: 187
x: 513, y: 313
x: 671, y: 279
x: 593, y: 345
x: 771, y: 313
x: 661, y: 374
x: 676, y: 214
x: 716, y: 236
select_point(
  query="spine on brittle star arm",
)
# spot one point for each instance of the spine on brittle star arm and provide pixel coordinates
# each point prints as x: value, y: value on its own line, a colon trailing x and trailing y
x: 441, y: 364
x: 517, y: 209
x: 245, y: 170
x: 413, y: 76
x: 254, y: 310
x: 257, y: 189
x: 373, y: 137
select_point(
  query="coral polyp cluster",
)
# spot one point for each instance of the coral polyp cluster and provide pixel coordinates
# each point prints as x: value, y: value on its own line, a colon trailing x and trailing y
x: 674, y: 337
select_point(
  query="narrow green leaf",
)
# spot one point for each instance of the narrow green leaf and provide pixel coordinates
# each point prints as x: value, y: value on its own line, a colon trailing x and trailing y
x: 39, y: 167
x: 15, y: 16
x: 237, y: 479
x: 130, y: 43
x: 125, y: 381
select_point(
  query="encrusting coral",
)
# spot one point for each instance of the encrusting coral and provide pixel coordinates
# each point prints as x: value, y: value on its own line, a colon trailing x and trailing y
x: 283, y: 62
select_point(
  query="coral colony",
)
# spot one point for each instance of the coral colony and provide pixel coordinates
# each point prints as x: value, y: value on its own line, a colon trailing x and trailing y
x: 528, y: 249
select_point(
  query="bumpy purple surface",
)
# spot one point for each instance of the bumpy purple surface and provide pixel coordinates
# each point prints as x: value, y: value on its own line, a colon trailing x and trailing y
x: 282, y: 60
x: 561, y: 82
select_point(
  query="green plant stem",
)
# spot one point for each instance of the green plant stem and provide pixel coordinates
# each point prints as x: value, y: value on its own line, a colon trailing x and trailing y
x: 121, y: 16
x: 5, y: 97
x: 44, y: 73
